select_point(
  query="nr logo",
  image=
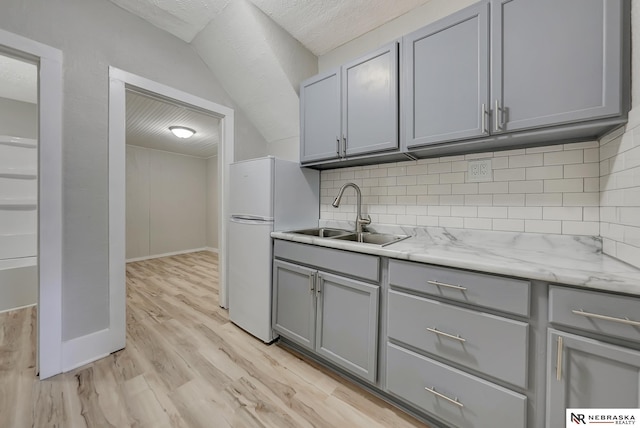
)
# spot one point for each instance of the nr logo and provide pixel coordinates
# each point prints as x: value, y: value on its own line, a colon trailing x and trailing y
x: 576, y: 418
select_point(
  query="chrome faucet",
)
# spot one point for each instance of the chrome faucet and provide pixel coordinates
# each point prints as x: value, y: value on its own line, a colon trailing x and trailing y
x: 359, y: 220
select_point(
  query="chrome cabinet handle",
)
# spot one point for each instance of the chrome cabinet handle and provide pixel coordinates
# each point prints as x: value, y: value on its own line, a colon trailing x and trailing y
x: 344, y: 145
x: 338, y: 146
x: 450, y: 400
x: 606, y: 318
x: 496, y: 113
x: 442, y: 284
x: 559, y: 360
x: 312, y: 282
x: 318, y: 284
x: 442, y: 333
x: 484, y: 119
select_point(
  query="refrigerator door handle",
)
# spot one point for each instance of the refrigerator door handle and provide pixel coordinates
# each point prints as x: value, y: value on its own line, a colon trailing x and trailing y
x: 248, y: 219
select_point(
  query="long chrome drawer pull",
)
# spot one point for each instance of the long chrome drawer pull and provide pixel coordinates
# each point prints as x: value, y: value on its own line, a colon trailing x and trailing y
x: 442, y: 284
x: 442, y: 333
x: 451, y: 400
x: 559, y: 360
x: 606, y: 318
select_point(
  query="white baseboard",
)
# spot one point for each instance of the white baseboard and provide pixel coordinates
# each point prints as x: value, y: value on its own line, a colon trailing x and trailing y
x: 86, y: 349
x: 211, y: 250
x: 174, y: 253
x: 18, y: 308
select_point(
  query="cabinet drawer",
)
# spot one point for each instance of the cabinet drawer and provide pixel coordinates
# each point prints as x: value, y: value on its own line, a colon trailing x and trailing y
x: 601, y: 313
x: 487, y: 343
x: 345, y: 262
x: 504, y: 294
x: 460, y: 399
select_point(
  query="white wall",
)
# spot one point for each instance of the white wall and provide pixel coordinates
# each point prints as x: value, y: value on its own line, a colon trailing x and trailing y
x: 213, y: 207
x: 166, y: 202
x: 92, y: 35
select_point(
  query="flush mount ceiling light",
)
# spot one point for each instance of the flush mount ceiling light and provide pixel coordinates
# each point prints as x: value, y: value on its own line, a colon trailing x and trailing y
x: 181, y: 131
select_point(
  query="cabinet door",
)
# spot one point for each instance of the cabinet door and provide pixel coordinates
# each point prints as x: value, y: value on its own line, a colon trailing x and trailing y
x: 294, y: 306
x: 590, y: 374
x: 347, y: 331
x: 554, y: 62
x: 320, y: 117
x: 446, y: 93
x: 370, y: 102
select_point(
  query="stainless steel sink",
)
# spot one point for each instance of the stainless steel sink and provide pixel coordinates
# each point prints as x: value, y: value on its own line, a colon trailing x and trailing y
x: 322, y: 232
x: 381, y: 239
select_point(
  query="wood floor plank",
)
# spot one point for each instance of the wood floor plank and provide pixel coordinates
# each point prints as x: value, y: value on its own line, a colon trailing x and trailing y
x: 185, y: 365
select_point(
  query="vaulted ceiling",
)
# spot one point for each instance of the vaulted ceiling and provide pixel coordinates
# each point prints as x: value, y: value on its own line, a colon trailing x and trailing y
x: 260, y: 50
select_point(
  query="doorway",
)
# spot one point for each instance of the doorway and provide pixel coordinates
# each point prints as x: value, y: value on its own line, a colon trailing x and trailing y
x: 49, y: 195
x: 120, y: 82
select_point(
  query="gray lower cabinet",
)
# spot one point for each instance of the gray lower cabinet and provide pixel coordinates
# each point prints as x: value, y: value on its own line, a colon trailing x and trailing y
x: 352, y: 110
x: 334, y: 316
x: 456, y: 397
x: 588, y: 373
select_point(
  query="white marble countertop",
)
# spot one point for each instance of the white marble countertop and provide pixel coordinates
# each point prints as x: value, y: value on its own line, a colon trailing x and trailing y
x: 560, y: 259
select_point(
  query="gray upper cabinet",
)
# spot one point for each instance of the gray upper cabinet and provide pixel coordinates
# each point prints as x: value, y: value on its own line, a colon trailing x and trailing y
x: 320, y: 134
x: 586, y: 373
x: 347, y: 329
x: 555, y: 62
x: 351, y: 111
x: 370, y: 102
x: 447, y: 78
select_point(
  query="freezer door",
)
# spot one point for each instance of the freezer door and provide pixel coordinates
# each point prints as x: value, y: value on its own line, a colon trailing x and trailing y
x: 249, y: 263
x: 251, y: 188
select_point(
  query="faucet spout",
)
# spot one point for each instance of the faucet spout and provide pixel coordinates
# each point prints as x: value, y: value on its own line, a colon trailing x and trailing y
x: 359, y: 220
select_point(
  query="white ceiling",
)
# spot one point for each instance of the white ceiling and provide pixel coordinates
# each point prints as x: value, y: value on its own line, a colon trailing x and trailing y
x: 149, y: 119
x: 18, y: 80
x: 320, y: 25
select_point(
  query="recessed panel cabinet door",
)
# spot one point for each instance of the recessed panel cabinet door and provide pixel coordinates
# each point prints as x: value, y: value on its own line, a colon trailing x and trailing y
x: 446, y: 78
x: 370, y: 102
x: 554, y: 62
x: 587, y: 373
x: 320, y: 117
x: 347, y: 331
x: 294, y: 305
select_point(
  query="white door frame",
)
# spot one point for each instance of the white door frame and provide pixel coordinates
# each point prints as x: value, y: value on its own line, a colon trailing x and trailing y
x: 49, y: 60
x: 119, y: 80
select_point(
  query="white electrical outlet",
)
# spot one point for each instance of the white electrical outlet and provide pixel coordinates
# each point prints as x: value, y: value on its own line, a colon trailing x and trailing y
x: 480, y: 170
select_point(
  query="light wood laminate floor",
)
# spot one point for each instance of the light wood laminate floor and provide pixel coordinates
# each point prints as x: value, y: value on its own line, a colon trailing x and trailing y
x: 185, y: 365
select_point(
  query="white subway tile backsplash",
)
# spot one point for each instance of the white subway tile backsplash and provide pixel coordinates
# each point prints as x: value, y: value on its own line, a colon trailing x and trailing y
x: 493, y: 187
x: 533, y: 213
x: 564, y: 185
x: 529, y: 186
x: 508, y: 225
x: 543, y: 226
x: 564, y: 157
x: 526, y: 160
x: 457, y: 222
x: 551, y: 189
x: 562, y: 213
x: 493, y: 212
x: 478, y: 200
x: 581, y: 228
x: 513, y: 200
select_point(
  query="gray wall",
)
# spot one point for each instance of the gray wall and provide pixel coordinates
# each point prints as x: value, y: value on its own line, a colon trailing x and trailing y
x: 166, y: 202
x: 94, y: 34
x: 213, y: 207
x: 18, y: 119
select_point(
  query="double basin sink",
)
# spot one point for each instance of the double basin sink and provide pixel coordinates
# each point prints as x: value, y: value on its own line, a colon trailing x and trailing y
x: 381, y: 239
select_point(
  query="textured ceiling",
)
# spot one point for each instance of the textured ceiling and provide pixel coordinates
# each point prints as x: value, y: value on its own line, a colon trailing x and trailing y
x: 323, y: 25
x: 148, y: 121
x: 320, y: 25
x: 18, y: 80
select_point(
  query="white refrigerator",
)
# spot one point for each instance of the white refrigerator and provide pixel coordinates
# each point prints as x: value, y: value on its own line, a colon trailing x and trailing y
x: 266, y: 194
